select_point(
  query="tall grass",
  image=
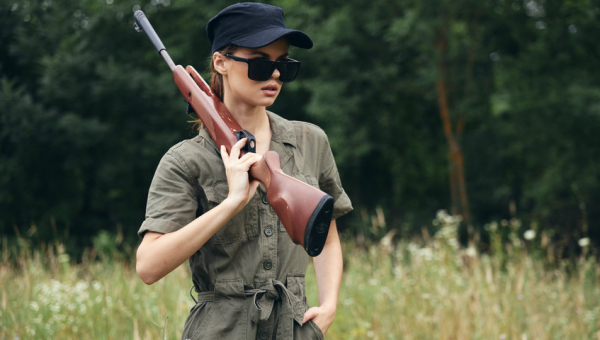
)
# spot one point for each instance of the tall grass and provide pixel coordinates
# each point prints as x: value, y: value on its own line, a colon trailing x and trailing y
x: 432, y: 289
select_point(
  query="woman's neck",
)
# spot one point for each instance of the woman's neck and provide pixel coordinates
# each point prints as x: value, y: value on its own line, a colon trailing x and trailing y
x: 251, y: 118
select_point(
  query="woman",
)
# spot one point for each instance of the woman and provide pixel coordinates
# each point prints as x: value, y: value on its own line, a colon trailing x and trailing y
x: 248, y: 274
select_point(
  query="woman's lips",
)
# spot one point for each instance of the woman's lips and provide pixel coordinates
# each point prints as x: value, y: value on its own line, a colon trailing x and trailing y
x: 270, y: 90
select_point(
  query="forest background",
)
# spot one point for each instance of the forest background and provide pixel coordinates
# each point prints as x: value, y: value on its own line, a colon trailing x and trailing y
x: 489, y: 109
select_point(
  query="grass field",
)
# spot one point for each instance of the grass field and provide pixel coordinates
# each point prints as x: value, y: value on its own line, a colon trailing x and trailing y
x: 430, y: 289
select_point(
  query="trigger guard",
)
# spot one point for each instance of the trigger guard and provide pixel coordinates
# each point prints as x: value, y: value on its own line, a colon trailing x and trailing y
x: 250, y: 143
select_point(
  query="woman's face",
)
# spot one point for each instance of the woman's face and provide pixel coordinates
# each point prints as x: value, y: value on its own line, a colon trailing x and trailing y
x: 241, y: 90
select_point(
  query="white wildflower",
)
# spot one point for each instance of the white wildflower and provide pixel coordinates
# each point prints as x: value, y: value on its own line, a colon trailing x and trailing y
x: 529, y: 234
x: 491, y: 227
x: 426, y: 254
x: 81, y: 286
x: 453, y: 242
x: 413, y: 248
x: 442, y: 214
x: 471, y: 252
x: 584, y: 242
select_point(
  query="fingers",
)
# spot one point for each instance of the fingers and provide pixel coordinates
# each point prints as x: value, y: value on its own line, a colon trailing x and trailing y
x: 249, y: 159
x: 237, y: 147
x: 310, y: 314
x: 224, y: 155
x: 235, y: 150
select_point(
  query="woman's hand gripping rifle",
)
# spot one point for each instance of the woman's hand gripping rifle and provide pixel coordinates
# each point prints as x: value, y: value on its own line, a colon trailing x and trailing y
x: 304, y: 210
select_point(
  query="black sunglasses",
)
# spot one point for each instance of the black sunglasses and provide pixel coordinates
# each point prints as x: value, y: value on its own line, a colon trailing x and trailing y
x: 261, y: 69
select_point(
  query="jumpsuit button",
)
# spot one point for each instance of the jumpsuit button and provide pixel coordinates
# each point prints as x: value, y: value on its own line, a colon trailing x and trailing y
x: 263, y: 335
x: 264, y: 199
x: 267, y: 264
x: 269, y: 231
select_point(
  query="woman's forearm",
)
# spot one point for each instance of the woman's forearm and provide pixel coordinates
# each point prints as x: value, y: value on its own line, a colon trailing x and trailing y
x: 328, y: 270
x: 159, y: 254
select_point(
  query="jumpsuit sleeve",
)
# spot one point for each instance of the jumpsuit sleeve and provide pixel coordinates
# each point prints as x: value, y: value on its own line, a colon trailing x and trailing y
x: 172, y: 198
x: 329, y: 180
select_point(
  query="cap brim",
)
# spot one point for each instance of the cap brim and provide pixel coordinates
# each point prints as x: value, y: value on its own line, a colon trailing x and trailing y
x: 270, y: 35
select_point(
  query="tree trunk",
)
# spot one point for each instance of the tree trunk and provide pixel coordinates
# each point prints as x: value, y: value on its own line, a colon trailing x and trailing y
x: 458, y: 190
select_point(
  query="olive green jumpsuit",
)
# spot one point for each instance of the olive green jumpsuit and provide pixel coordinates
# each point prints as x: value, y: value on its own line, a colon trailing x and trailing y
x: 249, y: 277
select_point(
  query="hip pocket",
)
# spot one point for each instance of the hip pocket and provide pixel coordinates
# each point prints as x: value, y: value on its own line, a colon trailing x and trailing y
x: 318, y: 332
x: 226, y: 317
x: 308, y: 331
x: 197, y: 319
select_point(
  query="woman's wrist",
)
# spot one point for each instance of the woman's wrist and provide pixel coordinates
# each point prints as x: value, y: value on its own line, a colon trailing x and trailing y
x: 329, y: 308
x: 235, y: 203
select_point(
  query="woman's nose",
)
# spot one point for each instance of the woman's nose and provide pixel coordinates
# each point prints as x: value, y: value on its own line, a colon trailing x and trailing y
x: 276, y: 74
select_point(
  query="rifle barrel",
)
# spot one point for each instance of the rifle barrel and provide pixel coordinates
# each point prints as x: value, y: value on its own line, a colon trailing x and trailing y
x: 142, y: 24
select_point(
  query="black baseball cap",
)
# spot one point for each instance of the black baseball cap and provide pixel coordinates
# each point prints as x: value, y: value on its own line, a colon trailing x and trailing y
x: 252, y: 25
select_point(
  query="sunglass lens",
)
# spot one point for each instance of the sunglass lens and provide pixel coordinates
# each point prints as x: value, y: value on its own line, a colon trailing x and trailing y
x: 260, y: 70
x: 288, y: 70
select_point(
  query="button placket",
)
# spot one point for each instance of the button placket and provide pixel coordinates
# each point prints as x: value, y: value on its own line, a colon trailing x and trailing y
x: 263, y: 335
x: 268, y: 231
x: 268, y: 242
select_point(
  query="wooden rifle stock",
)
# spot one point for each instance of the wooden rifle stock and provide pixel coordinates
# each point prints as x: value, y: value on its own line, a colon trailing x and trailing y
x: 304, y: 211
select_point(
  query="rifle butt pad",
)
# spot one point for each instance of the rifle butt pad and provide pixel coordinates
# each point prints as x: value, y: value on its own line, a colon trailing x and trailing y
x: 304, y: 210
x: 317, y: 228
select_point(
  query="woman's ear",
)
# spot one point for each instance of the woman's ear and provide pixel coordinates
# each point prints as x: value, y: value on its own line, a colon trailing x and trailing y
x: 219, y: 63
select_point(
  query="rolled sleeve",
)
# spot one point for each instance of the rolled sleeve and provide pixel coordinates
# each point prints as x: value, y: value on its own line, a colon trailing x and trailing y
x: 172, y: 198
x: 329, y: 182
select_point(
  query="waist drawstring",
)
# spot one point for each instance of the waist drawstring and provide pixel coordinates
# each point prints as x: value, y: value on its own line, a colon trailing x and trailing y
x: 264, y: 298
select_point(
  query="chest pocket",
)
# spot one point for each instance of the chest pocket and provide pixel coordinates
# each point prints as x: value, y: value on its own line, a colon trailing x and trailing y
x: 242, y: 226
x: 306, y: 179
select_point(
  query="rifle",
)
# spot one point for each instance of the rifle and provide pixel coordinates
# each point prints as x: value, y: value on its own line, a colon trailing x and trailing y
x: 304, y: 211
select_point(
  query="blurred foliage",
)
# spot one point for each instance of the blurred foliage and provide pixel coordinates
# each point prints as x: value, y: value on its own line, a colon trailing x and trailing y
x: 87, y: 109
